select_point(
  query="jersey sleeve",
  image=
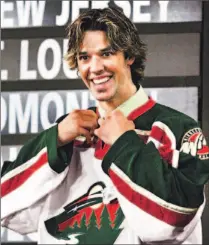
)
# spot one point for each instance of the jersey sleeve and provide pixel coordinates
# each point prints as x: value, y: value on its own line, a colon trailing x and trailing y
x: 39, y: 168
x: 160, y: 183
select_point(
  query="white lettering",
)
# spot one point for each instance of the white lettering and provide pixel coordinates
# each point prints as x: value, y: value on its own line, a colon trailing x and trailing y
x: 85, y: 100
x: 71, y: 102
x: 137, y: 15
x: 76, y: 6
x: 24, y: 9
x: 55, y: 47
x: 16, y: 112
x: 62, y: 19
x: 163, y: 10
x: 86, y: 96
x: 24, y: 72
x: 6, y: 7
x: 51, y: 97
x: 26, y: 109
x: 4, y: 73
x: 99, y: 4
x: 95, y: 102
x: 126, y: 6
x: 3, y: 113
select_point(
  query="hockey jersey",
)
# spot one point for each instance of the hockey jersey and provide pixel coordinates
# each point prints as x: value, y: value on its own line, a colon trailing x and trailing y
x: 147, y: 188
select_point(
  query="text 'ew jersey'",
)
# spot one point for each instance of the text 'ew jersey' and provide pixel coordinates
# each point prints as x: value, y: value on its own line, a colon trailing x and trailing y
x: 148, y: 187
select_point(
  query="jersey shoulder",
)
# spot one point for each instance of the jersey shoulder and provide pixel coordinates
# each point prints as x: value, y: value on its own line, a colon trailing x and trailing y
x: 173, y: 117
x: 180, y: 125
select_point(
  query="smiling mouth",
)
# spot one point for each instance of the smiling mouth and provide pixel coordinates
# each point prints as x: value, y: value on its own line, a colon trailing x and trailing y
x: 102, y: 80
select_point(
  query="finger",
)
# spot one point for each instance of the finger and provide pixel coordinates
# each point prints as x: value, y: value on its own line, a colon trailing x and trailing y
x: 89, y: 113
x: 100, y: 121
x: 117, y: 113
x: 108, y: 114
x: 131, y: 123
x: 88, y: 124
x: 91, y: 120
x: 84, y: 132
x: 93, y: 128
x: 84, y: 115
x: 96, y: 131
x: 88, y: 118
x: 91, y: 131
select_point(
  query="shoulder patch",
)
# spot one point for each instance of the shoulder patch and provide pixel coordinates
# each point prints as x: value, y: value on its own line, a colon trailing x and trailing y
x: 194, y: 142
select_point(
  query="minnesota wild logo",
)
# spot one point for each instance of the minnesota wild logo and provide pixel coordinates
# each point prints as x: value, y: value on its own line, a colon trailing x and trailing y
x: 194, y: 143
x: 94, y: 218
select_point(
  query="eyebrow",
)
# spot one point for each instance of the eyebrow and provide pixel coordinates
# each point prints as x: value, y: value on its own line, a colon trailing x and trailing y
x: 109, y: 48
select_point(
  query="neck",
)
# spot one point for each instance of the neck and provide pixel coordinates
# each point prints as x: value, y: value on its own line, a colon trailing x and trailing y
x: 118, y: 99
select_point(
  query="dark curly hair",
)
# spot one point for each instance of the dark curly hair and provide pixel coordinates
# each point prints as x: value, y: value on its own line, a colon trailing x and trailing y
x: 121, y: 34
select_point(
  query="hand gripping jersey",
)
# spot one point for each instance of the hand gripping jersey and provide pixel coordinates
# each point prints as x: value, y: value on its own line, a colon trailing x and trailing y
x: 147, y: 188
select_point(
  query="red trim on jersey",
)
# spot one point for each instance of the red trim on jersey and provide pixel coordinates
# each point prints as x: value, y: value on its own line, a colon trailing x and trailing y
x: 151, y: 207
x: 101, y: 151
x: 19, y: 179
x: 141, y: 110
x: 165, y: 149
x: 166, y: 154
x: 160, y: 135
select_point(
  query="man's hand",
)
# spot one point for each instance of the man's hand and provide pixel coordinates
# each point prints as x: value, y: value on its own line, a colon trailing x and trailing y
x: 113, y: 126
x: 78, y: 122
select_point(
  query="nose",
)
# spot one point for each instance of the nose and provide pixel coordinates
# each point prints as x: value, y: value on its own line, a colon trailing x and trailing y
x: 96, y: 65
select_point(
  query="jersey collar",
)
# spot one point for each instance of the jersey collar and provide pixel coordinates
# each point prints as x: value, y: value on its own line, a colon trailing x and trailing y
x: 135, y: 106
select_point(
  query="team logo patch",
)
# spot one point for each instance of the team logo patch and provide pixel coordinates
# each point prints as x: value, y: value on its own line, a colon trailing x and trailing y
x: 93, y: 218
x: 194, y: 143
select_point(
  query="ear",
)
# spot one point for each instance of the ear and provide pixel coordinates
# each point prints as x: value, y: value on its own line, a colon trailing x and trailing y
x: 130, y: 60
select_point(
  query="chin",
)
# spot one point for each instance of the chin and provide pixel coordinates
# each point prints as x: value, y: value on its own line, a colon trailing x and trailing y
x: 103, y: 97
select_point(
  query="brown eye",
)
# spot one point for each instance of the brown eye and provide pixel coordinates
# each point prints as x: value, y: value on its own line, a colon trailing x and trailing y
x: 107, y: 54
x: 83, y: 57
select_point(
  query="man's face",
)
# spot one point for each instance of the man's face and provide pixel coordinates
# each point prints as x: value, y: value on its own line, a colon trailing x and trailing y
x: 105, y: 72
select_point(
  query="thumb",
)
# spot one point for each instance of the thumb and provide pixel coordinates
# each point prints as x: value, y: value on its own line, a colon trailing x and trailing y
x: 96, y: 131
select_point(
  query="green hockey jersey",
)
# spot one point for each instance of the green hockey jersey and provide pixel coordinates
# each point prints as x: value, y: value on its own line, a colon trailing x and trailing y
x: 147, y: 188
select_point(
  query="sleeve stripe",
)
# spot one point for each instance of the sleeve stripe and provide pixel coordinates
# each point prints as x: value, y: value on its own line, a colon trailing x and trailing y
x: 163, y: 136
x: 23, y: 166
x: 19, y: 179
x: 148, y: 202
x: 175, y: 159
x: 170, y: 156
x: 165, y: 142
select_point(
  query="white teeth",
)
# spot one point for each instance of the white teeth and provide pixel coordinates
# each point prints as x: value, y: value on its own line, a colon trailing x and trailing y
x: 102, y: 80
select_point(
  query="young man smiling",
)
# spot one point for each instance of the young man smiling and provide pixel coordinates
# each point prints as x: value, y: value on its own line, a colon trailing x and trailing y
x: 104, y: 71
x: 131, y: 171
